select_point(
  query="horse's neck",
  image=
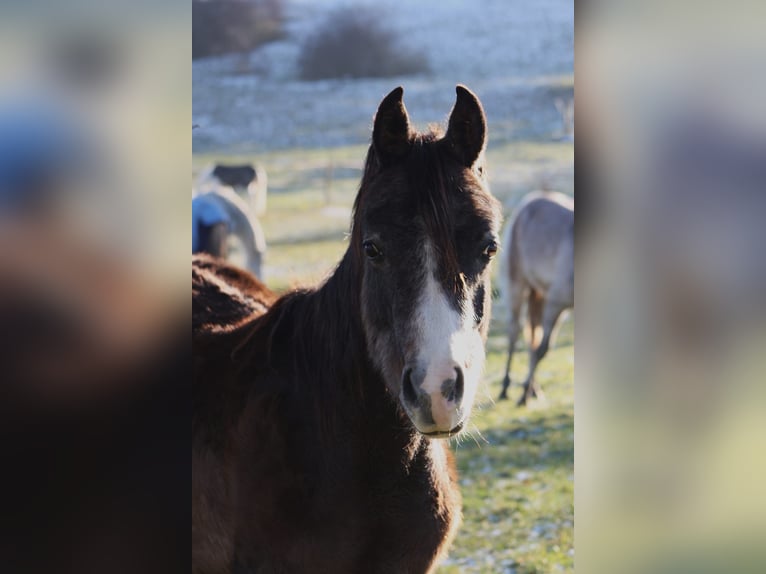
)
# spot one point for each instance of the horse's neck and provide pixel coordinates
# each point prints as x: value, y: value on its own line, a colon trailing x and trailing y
x: 333, y: 323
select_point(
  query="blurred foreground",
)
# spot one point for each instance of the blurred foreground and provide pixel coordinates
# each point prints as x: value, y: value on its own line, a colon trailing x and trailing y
x: 94, y: 130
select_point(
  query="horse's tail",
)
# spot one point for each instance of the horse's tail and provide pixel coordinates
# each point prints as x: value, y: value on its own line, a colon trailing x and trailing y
x: 534, y: 328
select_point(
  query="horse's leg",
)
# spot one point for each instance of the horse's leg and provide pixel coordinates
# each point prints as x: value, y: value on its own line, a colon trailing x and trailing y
x: 213, y: 239
x: 515, y: 301
x: 535, y: 312
x: 552, y: 309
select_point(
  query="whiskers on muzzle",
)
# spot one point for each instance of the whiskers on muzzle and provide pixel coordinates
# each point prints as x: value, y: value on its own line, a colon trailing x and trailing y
x: 434, y: 399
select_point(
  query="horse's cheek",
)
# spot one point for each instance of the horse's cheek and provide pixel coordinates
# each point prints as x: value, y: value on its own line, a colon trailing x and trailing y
x: 376, y: 308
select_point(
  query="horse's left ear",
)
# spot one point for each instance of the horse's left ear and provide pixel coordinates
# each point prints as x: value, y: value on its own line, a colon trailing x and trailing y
x: 467, y: 128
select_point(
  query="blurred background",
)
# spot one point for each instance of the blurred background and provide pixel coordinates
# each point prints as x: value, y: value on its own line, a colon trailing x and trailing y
x: 291, y: 87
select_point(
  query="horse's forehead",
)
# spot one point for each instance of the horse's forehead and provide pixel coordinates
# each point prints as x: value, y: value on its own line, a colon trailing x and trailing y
x: 400, y: 200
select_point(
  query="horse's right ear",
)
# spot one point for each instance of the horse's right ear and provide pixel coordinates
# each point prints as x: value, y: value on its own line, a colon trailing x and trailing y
x: 391, y: 132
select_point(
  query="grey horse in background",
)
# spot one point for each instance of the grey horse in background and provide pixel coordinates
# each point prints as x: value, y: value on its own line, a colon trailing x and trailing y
x: 537, y: 267
x: 248, y: 181
x: 220, y: 218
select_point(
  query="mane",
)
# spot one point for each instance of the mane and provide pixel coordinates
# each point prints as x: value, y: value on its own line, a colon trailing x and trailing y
x: 325, y: 360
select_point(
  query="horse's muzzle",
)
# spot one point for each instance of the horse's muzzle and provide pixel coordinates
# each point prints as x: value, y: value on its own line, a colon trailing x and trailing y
x: 434, y: 401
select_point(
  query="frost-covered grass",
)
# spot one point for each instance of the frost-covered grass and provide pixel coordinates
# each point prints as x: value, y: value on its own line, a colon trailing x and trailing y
x: 517, y: 55
x: 516, y: 465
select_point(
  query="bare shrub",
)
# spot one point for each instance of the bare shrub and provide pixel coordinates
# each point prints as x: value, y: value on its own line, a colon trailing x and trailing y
x: 356, y: 44
x: 227, y: 26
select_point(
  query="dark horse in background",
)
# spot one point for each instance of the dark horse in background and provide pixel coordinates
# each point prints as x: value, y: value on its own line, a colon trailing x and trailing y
x: 537, y: 268
x: 318, y: 415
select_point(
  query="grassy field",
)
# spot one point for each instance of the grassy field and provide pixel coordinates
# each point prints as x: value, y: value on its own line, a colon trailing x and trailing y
x: 516, y: 465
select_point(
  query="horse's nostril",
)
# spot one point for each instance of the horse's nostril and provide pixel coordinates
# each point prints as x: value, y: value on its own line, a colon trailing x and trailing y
x: 408, y: 389
x: 452, y: 389
x: 459, y: 384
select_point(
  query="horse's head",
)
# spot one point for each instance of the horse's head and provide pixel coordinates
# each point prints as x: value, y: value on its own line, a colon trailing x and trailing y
x: 425, y: 229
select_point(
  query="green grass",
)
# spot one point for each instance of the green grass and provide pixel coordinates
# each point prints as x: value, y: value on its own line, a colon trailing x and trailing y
x: 516, y: 465
x: 517, y: 470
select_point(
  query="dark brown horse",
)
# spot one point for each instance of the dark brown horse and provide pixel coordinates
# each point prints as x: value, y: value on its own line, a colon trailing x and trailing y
x: 318, y: 416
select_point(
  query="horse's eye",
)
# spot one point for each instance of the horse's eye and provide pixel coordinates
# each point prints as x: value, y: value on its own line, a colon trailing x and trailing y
x: 491, y: 249
x: 371, y: 250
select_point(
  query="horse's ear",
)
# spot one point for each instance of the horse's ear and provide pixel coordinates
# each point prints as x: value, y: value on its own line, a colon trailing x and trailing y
x: 467, y: 128
x: 391, y: 131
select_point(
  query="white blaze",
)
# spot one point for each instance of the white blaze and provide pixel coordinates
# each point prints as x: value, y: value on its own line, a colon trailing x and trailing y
x: 447, y: 338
